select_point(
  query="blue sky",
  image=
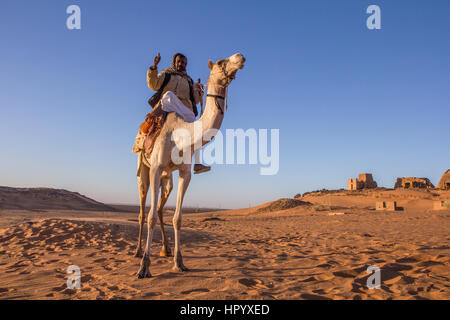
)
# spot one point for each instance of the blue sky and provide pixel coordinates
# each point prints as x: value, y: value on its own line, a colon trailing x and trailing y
x: 346, y: 99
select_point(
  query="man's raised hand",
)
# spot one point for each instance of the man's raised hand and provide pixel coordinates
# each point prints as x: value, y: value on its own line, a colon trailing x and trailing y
x: 156, y: 61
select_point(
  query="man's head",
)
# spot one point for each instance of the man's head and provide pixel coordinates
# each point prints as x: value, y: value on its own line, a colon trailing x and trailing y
x: 179, y: 62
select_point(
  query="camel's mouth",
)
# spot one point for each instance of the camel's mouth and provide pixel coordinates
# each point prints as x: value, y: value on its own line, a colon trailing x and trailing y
x: 238, y: 60
x: 241, y: 63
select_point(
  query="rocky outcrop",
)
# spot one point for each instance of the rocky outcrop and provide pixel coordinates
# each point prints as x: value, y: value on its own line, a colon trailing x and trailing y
x: 444, y: 183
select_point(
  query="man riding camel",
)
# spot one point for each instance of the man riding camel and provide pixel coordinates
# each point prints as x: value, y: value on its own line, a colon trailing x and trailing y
x: 176, y: 92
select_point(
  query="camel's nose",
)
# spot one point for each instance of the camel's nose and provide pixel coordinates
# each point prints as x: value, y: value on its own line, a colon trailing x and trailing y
x: 238, y: 58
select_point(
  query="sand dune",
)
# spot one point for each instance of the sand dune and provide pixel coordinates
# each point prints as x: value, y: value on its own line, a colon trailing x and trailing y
x: 48, y: 199
x: 295, y: 253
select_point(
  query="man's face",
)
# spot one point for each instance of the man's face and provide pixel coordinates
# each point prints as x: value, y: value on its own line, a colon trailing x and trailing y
x: 180, y: 63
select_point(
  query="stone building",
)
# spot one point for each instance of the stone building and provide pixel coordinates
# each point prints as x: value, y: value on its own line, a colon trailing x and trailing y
x: 441, y: 205
x: 413, y: 182
x: 386, y: 206
x: 444, y: 183
x: 364, y: 181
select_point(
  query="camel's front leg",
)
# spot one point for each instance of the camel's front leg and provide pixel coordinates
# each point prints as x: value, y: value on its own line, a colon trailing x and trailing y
x: 143, y: 183
x: 166, y: 188
x: 155, y: 176
x: 183, y: 183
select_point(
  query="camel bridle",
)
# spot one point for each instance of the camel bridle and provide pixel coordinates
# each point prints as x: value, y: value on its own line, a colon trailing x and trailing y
x: 228, y: 80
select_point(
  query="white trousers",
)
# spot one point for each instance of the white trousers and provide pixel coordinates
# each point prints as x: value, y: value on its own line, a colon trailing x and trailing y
x: 171, y: 103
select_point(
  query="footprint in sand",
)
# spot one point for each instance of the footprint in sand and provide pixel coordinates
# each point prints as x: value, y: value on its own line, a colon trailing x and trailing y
x: 109, y: 267
x: 69, y: 291
x: 195, y: 290
x: 19, y: 265
x: 351, y: 273
x: 52, y: 261
x: 429, y: 263
x: 325, y: 265
x: 60, y: 288
x: 407, y: 260
x: 25, y: 272
x: 323, y: 291
x: 64, y: 255
x: 85, y: 278
x: 101, y: 294
x: 282, y: 256
x: 308, y: 296
x: 249, y: 282
x: 151, y: 294
x: 309, y: 279
x: 113, y: 288
x: 278, y: 272
x: 324, y: 277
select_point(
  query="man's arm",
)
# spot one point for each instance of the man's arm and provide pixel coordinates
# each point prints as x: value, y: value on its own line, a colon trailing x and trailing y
x: 155, y: 80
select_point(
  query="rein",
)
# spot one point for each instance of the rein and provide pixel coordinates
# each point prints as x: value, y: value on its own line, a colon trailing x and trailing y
x: 217, y: 102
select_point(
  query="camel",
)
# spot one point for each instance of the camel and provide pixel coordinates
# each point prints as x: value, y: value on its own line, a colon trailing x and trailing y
x: 155, y: 172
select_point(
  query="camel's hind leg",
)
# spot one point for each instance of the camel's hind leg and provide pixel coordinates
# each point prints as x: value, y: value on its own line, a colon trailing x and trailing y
x: 143, y: 183
x: 166, y: 188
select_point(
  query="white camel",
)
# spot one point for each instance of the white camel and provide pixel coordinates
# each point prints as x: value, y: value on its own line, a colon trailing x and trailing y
x: 156, y: 171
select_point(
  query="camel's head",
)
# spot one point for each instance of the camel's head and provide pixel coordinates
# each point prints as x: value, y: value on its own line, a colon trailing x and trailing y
x: 224, y: 71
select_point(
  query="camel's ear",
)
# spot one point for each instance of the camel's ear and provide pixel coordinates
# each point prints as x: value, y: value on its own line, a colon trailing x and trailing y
x: 210, y: 64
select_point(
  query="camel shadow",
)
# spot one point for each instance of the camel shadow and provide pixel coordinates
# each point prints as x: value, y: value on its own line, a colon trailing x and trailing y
x: 187, y: 235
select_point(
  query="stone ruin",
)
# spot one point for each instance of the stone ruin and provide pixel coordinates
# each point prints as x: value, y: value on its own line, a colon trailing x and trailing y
x: 444, y: 183
x: 441, y: 205
x: 364, y: 181
x: 387, y: 206
x: 413, y: 182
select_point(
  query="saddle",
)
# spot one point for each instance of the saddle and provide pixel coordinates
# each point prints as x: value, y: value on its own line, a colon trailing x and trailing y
x: 151, y: 128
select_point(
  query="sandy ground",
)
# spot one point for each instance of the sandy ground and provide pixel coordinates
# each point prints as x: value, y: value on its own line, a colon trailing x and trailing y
x: 316, y: 251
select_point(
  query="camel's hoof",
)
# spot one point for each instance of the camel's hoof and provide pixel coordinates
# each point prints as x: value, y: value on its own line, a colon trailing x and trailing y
x: 165, y: 253
x: 180, y: 268
x: 144, y: 273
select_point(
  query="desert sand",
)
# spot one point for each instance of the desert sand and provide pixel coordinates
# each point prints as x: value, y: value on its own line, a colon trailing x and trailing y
x: 318, y: 249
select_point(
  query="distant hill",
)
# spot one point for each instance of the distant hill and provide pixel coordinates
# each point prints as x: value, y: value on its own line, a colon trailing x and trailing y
x: 47, y: 199
x: 135, y: 208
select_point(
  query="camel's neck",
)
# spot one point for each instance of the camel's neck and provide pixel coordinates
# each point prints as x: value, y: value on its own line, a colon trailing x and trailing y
x: 212, y: 117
